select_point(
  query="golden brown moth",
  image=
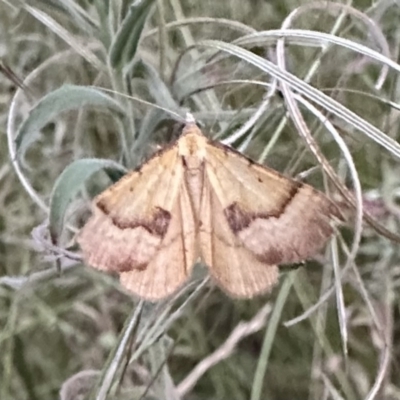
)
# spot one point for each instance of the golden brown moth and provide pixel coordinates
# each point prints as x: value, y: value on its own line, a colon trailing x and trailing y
x: 200, y: 200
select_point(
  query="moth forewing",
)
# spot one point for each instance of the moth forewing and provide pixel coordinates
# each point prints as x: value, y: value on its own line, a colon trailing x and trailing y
x: 278, y: 219
x: 173, y: 262
x: 143, y: 228
x: 235, y: 269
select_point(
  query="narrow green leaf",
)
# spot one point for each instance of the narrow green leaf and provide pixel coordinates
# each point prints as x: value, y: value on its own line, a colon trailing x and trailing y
x: 68, y: 185
x: 149, y: 124
x: 125, y: 44
x: 66, y: 98
x: 75, y: 14
x: 156, y: 86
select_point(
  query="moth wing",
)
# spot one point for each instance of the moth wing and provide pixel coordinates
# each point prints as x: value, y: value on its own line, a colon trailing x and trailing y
x: 234, y: 267
x: 277, y: 218
x: 253, y: 219
x: 143, y: 228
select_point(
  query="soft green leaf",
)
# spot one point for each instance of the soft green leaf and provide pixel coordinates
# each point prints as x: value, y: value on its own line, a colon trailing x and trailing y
x: 75, y: 13
x: 156, y: 86
x: 66, y: 98
x: 68, y: 185
x: 125, y: 44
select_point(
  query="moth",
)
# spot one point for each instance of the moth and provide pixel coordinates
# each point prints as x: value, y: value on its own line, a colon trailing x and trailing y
x: 198, y: 199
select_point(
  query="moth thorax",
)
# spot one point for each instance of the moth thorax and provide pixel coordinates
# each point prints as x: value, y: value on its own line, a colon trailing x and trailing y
x: 192, y: 148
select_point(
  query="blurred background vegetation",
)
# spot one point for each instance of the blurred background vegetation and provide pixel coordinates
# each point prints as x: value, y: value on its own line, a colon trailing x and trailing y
x: 79, y: 83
